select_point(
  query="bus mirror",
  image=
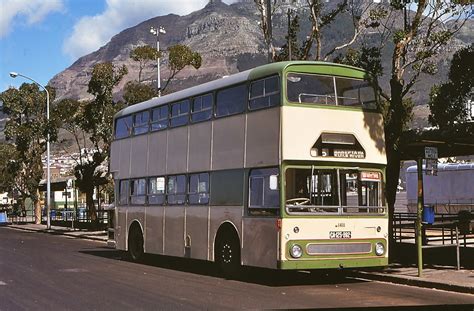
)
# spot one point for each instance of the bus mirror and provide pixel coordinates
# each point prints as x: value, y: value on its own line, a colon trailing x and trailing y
x: 273, y: 182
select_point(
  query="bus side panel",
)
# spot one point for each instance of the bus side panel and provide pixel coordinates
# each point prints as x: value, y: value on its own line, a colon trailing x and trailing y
x: 219, y: 215
x: 157, y: 149
x: 138, y: 159
x: 121, y: 229
x: 197, y: 231
x: 154, y: 229
x: 200, y: 147
x: 125, y: 151
x: 174, y: 230
x: 228, y: 143
x: 177, y: 150
x: 260, y: 242
x: 115, y: 156
x: 263, y: 136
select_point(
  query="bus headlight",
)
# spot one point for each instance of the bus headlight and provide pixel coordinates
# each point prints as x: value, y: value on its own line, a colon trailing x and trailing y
x: 379, y: 249
x: 296, y: 251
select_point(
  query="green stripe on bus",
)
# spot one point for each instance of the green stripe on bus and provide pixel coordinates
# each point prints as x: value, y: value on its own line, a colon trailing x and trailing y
x: 333, y: 263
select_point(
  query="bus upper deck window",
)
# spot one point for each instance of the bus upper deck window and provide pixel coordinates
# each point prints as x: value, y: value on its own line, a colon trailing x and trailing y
x: 159, y: 118
x: 179, y: 113
x: 310, y: 89
x: 231, y: 100
x: 201, y: 108
x: 264, y: 93
x: 140, y: 122
x: 352, y: 92
x: 123, y: 127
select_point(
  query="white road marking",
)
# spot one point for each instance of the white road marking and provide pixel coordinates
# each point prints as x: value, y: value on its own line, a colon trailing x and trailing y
x: 2, y: 283
x: 73, y: 270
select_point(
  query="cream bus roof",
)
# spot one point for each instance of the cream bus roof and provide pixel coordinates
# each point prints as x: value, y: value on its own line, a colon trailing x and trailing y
x: 240, y: 77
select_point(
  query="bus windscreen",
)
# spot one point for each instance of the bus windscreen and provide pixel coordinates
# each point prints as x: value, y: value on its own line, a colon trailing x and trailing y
x: 329, y: 90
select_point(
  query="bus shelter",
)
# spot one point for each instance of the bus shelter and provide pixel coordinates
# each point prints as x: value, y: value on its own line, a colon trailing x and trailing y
x: 432, y: 144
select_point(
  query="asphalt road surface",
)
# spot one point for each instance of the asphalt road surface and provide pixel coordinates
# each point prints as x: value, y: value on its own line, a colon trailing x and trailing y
x: 41, y: 271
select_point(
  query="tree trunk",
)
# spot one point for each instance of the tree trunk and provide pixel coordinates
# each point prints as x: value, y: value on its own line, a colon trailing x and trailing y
x: 37, y: 208
x: 393, y: 174
x: 393, y: 132
x: 318, y: 45
x: 140, y: 73
x: 90, y: 205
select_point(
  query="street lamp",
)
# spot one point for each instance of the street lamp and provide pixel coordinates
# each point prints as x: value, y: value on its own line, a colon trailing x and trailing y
x: 48, y: 171
x: 156, y: 32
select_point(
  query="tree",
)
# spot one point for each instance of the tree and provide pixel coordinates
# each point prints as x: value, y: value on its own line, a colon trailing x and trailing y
x: 8, y: 161
x: 143, y: 55
x: 448, y: 101
x: 413, y: 42
x: 27, y: 129
x: 179, y: 57
x: 92, y: 122
x: 414, y: 45
x: 266, y: 9
x: 136, y: 92
x: 369, y: 58
x: 321, y: 15
x: 291, y: 46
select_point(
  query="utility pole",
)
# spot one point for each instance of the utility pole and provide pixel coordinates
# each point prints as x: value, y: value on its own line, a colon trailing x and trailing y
x: 419, y: 212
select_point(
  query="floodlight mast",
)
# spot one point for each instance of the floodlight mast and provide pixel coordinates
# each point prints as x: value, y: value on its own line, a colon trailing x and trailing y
x: 156, y: 32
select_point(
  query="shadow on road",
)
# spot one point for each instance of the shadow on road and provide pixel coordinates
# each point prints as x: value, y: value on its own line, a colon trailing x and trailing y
x: 267, y: 277
x: 405, y: 253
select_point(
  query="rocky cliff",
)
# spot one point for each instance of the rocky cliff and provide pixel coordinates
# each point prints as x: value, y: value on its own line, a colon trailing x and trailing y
x: 221, y: 33
x: 229, y: 40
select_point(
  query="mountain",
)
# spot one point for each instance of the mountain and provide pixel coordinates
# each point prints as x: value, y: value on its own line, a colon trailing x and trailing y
x: 223, y: 34
x: 229, y: 39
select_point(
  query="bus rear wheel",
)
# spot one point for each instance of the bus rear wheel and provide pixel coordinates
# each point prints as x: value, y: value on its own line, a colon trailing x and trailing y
x: 227, y: 255
x: 135, y: 243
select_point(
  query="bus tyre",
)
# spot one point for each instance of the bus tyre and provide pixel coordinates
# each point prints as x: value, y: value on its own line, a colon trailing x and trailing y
x: 227, y: 255
x: 135, y: 243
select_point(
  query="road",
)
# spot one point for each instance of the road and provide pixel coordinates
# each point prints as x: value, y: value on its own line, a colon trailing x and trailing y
x: 41, y: 271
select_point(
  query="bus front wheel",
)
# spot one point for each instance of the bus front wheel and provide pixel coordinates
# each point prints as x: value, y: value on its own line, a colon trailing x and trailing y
x: 227, y: 255
x: 135, y: 243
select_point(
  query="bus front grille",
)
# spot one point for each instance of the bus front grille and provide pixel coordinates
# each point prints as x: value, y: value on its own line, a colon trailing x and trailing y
x: 339, y: 248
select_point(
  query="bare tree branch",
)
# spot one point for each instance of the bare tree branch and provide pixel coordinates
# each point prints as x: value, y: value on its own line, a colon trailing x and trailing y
x: 359, y: 21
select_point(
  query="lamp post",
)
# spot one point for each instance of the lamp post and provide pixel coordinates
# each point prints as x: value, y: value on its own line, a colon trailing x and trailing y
x: 48, y: 171
x: 156, y: 32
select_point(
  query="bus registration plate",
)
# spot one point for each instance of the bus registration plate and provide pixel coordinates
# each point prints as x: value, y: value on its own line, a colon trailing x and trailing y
x: 339, y: 234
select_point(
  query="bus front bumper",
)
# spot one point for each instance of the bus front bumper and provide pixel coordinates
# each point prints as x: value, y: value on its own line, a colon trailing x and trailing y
x: 341, y: 263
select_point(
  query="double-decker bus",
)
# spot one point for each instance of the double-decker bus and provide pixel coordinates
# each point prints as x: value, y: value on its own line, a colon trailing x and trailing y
x: 281, y: 166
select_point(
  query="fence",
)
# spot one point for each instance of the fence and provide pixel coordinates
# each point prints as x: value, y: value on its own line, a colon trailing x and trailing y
x: 442, y: 231
x: 75, y: 218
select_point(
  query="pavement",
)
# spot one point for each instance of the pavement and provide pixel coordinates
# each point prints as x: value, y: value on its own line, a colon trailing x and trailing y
x: 434, y: 276
x: 67, y: 231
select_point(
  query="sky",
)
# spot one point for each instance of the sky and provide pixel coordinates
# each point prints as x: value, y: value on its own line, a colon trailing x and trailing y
x: 40, y: 38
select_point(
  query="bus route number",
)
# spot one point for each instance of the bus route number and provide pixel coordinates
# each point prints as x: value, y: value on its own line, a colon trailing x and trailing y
x: 339, y: 234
